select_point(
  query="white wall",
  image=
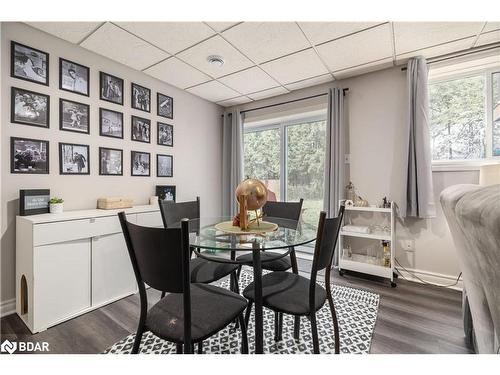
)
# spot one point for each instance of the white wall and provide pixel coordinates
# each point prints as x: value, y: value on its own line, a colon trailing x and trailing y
x: 197, y: 147
x: 376, y: 111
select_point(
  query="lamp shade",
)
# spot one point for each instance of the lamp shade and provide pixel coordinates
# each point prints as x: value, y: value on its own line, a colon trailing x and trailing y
x: 489, y: 174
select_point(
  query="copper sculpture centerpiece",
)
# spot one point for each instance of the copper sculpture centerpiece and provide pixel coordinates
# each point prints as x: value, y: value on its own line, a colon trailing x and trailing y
x: 251, y: 195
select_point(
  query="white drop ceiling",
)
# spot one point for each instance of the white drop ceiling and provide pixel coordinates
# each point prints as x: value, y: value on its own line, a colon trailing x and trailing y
x: 265, y: 59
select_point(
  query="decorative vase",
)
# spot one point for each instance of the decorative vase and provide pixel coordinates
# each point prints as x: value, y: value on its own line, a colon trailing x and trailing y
x: 56, y: 208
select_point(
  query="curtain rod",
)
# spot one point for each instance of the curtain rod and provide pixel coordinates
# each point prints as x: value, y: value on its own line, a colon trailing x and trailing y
x: 454, y: 55
x: 290, y: 101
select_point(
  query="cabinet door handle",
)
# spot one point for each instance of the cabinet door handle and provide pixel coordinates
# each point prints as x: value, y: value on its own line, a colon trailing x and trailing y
x: 92, y: 220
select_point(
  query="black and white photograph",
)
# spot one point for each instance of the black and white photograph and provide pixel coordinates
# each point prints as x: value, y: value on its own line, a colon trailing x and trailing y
x: 29, y: 156
x: 141, y: 98
x: 110, y: 123
x: 165, y: 192
x: 74, y: 77
x: 141, y: 129
x: 74, y: 159
x: 141, y: 162
x: 164, y: 165
x: 110, y: 162
x: 165, y: 134
x: 111, y: 88
x: 29, y: 63
x: 74, y: 116
x: 165, y: 105
x: 29, y: 108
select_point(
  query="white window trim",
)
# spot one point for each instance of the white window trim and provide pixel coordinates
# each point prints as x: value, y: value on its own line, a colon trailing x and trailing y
x: 474, y: 164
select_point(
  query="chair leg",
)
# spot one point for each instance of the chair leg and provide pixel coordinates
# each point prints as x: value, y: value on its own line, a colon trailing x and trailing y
x: 296, y: 328
x: 137, y: 340
x: 276, y: 326
x: 248, y: 312
x: 335, y: 324
x: 280, y: 326
x: 200, y: 347
x: 236, y: 289
x: 314, y: 331
x: 244, y: 337
x: 178, y: 348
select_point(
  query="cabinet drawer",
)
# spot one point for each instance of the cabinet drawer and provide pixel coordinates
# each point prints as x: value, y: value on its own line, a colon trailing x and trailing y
x: 62, y: 231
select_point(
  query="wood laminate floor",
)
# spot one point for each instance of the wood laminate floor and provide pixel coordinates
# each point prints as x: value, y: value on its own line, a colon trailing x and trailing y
x: 412, y: 318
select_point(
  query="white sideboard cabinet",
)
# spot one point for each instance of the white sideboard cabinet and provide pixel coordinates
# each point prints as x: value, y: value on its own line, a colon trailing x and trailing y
x: 70, y: 263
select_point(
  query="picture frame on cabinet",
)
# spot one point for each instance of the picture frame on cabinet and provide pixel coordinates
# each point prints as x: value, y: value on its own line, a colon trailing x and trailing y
x: 166, y: 192
x: 29, y: 64
x: 34, y: 201
x: 29, y: 108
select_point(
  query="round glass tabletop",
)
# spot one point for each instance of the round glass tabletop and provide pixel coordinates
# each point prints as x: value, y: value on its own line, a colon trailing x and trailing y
x: 205, y: 235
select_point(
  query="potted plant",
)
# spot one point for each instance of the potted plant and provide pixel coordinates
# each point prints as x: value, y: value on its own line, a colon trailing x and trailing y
x: 56, y: 205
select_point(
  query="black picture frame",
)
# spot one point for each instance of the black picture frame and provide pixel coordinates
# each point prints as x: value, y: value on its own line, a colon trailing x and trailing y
x: 167, y: 143
x: 158, y: 174
x: 61, y: 116
x: 14, y: 117
x: 61, y: 164
x: 102, y: 76
x: 132, y: 156
x: 13, y: 74
x: 13, y: 141
x: 133, y: 102
x: 133, y: 136
x: 101, y: 133
x: 61, y: 83
x: 101, y: 171
x: 163, y: 190
x: 39, y: 199
x: 159, y: 111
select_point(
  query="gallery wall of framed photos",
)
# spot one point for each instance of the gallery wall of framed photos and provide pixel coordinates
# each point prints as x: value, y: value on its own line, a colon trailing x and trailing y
x: 196, y: 147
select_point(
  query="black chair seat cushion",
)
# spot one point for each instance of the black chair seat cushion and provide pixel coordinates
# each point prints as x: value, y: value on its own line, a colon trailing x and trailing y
x: 212, y: 309
x: 205, y: 272
x: 281, y: 264
x: 287, y: 292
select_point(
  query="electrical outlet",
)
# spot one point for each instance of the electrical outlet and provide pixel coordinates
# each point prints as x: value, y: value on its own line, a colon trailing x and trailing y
x: 408, y: 245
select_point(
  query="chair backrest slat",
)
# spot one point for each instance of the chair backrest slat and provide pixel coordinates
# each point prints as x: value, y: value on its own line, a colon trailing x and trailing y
x: 173, y: 212
x: 283, y: 210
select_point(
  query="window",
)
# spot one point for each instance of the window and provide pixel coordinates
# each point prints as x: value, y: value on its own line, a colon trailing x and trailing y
x: 289, y: 157
x: 460, y: 120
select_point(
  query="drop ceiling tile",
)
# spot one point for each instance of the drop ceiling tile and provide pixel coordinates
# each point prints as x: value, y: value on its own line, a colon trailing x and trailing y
x: 119, y: 45
x: 309, y: 82
x: 213, y: 91
x: 442, y: 49
x: 490, y: 26
x: 411, y: 36
x: 221, y: 26
x: 249, y: 80
x: 197, y: 57
x: 319, y: 32
x: 365, y: 68
x: 357, y: 49
x: 177, y: 73
x: 172, y: 37
x: 235, y: 101
x: 268, y: 93
x: 263, y: 41
x: 296, y: 67
x: 487, y: 38
x: 73, y: 32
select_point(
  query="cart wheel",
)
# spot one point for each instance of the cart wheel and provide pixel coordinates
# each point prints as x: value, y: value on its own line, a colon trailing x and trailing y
x: 341, y: 272
x: 393, y: 284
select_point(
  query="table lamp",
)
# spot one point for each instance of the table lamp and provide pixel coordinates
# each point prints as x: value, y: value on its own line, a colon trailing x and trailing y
x: 489, y: 174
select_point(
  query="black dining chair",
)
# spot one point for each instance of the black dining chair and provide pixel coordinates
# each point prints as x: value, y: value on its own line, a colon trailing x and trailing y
x: 191, y: 312
x: 202, y: 270
x: 289, y: 293
x: 279, y: 210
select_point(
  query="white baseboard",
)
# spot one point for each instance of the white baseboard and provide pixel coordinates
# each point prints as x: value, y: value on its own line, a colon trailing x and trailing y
x: 430, y: 277
x: 7, y: 307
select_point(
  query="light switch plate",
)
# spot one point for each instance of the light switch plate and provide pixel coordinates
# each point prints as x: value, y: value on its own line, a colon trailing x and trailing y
x: 347, y: 158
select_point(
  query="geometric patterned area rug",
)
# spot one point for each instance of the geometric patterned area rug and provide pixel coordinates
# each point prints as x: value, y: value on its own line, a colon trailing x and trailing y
x: 356, y: 312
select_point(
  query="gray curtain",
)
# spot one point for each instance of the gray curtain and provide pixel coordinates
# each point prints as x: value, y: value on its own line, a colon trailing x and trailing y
x: 335, y: 150
x: 232, y: 159
x: 419, y: 190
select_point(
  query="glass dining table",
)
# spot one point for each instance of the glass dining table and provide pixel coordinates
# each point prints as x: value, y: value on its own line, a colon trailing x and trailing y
x: 221, y: 246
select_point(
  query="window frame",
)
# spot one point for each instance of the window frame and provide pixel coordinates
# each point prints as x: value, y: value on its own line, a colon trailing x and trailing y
x: 282, y: 125
x: 472, y: 164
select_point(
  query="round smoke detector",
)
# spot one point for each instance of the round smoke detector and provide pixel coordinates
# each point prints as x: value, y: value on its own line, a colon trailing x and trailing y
x: 215, y: 60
